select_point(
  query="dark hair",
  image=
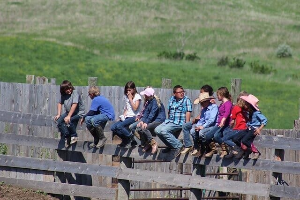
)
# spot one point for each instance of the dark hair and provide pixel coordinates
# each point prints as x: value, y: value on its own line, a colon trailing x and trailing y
x: 176, y: 87
x: 207, y: 88
x: 251, y: 110
x: 131, y: 85
x: 65, y: 85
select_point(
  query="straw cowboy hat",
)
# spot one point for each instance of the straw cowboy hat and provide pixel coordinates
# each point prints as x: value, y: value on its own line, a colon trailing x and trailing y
x: 204, y: 96
x: 252, y: 100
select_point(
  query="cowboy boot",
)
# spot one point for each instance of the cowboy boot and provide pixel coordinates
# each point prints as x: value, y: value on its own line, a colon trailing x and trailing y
x: 223, y: 150
x: 92, y: 130
x: 154, y: 146
x: 238, y: 152
x: 100, y: 134
x: 213, y: 150
x: 146, y: 147
x: 230, y: 152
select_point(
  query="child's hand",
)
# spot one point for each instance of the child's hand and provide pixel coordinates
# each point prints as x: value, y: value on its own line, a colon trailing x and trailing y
x: 130, y: 96
x: 257, y: 131
x: 56, y: 117
x: 198, y: 128
x: 81, y: 121
x: 67, y: 119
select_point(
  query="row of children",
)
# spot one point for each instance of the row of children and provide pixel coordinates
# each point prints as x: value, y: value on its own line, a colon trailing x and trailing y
x: 233, y: 128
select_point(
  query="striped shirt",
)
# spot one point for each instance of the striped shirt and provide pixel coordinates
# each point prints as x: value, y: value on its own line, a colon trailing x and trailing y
x: 178, y: 109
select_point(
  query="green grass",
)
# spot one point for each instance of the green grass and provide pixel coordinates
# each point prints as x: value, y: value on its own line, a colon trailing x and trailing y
x: 119, y: 41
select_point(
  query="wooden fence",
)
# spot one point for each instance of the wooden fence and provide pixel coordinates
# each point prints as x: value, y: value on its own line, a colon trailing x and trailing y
x: 37, y: 158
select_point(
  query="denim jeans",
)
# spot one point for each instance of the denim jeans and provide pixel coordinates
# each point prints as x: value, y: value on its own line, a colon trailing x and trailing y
x: 215, y: 133
x: 121, y: 127
x: 229, y: 134
x: 148, y: 133
x: 132, y: 126
x: 67, y: 130
x: 96, y: 120
x: 166, y: 132
x: 188, y: 129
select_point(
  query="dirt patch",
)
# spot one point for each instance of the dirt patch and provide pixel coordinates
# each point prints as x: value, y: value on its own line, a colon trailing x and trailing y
x: 8, y: 192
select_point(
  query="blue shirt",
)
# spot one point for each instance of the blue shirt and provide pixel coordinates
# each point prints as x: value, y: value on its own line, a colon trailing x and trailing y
x: 208, y: 116
x: 178, y: 109
x: 153, y: 113
x: 101, y: 104
x: 257, y: 120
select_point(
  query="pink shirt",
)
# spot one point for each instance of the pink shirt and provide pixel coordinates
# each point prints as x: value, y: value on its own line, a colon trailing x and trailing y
x: 224, y: 112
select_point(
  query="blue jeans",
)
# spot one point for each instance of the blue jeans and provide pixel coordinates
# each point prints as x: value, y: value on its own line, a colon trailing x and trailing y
x: 215, y: 133
x: 132, y: 126
x: 121, y: 127
x: 67, y: 130
x: 228, y: 134
x: 188, y: 129
x: 166, y: 131
x: 96, y: 120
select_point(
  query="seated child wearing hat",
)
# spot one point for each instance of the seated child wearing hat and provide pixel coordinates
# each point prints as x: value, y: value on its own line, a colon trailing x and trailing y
x: 207, y: 120
x: 153, y: 115
x: 255, y: 124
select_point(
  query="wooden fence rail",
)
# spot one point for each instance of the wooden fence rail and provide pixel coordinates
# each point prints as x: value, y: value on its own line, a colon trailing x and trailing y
x: 151, y: 176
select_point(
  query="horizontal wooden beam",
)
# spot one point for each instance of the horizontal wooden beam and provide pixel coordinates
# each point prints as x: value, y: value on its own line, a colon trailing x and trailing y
x: 286, y: 192
x: 46, y: 120
x: 137, y: 153
x: 63, y: 188
x: 197, y: 182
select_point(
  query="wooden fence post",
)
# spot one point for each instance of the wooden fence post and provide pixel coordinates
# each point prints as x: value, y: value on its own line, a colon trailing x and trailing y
x: 93, y: 81
x: 278, y: 156
x: 124, y: 185
x: 41, y: 80
x: 198, y: 170
x: 30, y: 79
x: 53, y: 81
x: 235, y: 88
x: 166, y: 83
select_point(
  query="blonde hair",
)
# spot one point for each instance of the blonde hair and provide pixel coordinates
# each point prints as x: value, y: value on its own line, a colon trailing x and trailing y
x: 158, y: 101
x: 94, y: 90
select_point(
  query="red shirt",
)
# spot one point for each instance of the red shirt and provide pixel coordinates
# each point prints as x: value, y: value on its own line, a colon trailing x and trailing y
x: 240, y: 118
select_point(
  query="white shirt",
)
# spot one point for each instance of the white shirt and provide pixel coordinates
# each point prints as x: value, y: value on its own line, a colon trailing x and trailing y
x: 128, y: 107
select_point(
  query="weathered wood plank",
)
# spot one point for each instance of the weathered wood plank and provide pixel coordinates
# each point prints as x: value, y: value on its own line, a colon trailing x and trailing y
x: 110, y: 149
x: 137, y: 175
x: 60, y: 188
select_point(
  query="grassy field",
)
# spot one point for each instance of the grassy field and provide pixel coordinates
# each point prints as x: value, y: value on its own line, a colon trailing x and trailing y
x: 119, y: 41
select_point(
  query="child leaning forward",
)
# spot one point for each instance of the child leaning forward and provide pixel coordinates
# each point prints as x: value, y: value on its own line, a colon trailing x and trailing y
x: 256, y: 123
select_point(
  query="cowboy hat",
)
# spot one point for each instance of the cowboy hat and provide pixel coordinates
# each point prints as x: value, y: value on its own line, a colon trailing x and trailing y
x: 204, y: 96
x: 251, y: 99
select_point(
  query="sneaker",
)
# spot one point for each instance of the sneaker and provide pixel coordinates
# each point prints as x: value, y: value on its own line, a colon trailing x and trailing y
x: 73, y: 140
x: 101, y: 143
x: 255, y: 156
x: 196, y: 153
x: 186, y: 150
x: 179, y: 150
x: 92, y: 145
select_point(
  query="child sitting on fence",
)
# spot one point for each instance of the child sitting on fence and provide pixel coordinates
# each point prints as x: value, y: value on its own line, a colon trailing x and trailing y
x: 188, y: 128
x: 215, y: 134
x: 100, y: 112
x: 74, y: 108
x: 153, y: 115
x: 256, y: 123
x: 132, y: 107
x: 237, y: 125
x: 206, y: 122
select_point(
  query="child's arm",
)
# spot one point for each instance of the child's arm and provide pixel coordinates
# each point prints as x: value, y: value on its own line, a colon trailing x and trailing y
x: 59, y: 106
x: 257, y: 131
x: 68, y: 117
